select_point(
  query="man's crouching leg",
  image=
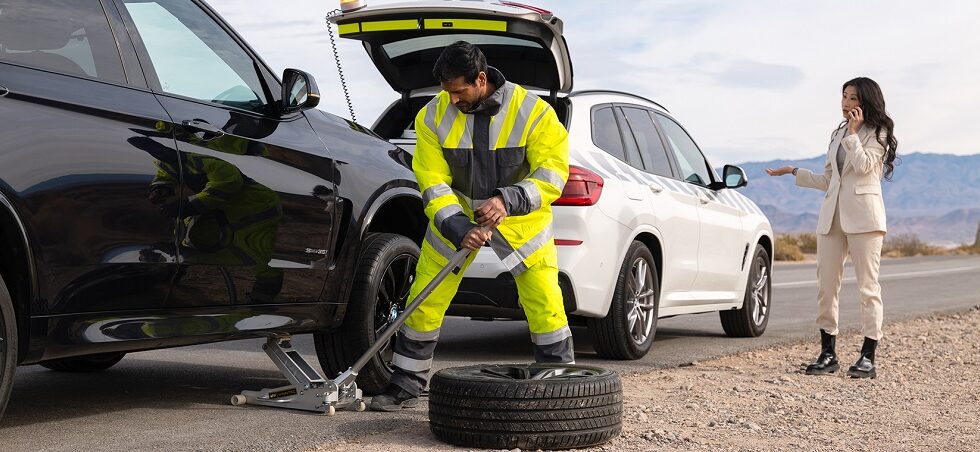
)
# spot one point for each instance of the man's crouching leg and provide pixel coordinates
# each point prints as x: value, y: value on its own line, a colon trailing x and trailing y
x: 411, y: 362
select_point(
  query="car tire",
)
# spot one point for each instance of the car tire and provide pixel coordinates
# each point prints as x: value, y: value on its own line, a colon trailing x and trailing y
x: 753, y: 317
x: 628, y: 329
x: 525, y: 406
x: 384, y: 274
x: 8, y: 345
x: 87, y: 363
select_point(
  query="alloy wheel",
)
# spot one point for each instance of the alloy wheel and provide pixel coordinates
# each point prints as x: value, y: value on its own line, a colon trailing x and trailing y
x: 641, y: 306
x: 393, y: 289
x: 760, y: 291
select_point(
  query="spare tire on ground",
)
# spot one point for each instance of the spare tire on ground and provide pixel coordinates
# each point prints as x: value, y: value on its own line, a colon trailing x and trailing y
x: 527, y: 406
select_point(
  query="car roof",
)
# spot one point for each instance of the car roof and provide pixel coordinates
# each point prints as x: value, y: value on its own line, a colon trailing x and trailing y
x: 605, y: 96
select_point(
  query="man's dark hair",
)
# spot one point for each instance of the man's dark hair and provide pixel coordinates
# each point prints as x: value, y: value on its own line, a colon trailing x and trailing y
x: 460, y: 59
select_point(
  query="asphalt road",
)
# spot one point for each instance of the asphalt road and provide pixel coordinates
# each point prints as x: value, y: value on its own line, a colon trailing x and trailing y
x: 177, y: 399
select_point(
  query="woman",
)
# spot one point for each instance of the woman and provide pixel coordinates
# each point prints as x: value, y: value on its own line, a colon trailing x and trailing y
x: 852, y: 218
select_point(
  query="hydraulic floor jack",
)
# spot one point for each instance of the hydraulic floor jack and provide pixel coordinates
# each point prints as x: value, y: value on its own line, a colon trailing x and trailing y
x: 310, y: 391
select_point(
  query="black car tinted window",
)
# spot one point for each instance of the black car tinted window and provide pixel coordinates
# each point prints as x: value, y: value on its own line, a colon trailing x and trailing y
x: 67, y: 36
x: 693, y: 166
x: 605, y: 133
x: 192, y: 56
x: 648, y: 140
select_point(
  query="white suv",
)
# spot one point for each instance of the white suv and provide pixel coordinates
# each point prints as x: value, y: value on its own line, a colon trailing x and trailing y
x: 645, y: 228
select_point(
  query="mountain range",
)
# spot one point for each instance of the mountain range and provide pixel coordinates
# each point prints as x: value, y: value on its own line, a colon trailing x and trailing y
x: 934, y: 196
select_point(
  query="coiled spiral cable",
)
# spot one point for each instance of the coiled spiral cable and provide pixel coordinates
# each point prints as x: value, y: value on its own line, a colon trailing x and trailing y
x: 336, y: 58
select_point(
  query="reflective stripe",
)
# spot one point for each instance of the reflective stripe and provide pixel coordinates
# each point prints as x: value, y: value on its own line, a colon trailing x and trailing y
x: 552, y: 337
x: 473, y: 203
x: 549, y: 176
x: 532, y: 192
x: 511, y: 260
x: 344, y: 29
x: 516, y: 258
x: 498, y: 120
x: 411, y: 365
x: 434, y: 192
x: 446, y: 124
x: 534, y: 124
x: 430, y: 114
x: 436, y: 243
x: 446, y: 212
x: 466, y: 141
x: 466, y: 24
x: 390, y: 25
x: 419, y: 336
x: 520, y: 121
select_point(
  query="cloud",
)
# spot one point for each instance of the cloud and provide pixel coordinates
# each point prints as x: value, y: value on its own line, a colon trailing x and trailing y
x: 753, y: 80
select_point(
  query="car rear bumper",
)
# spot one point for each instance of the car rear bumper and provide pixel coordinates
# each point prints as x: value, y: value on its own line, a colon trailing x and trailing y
x: 587, y: 269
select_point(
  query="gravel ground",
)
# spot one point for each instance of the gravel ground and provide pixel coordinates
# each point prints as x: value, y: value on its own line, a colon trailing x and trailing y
x: 926, y: 396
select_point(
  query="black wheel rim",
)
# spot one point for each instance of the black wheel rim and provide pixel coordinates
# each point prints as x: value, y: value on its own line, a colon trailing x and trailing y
x: 641, y: 306
x: 393, y: 288
x: 760, y: 291
x: 531, y: 372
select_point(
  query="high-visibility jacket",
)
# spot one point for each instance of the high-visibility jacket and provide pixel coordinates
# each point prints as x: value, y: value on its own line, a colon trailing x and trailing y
x: 511, y: 145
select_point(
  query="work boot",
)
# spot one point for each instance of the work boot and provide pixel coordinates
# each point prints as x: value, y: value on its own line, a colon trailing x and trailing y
x: 827, y: 362
x: 394, y: 398
x: 865, y: 365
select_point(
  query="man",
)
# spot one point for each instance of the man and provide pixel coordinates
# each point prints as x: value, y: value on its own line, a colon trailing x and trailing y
x: 490, y: 159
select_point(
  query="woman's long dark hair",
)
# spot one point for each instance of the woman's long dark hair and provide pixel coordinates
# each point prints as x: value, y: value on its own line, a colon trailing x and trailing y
x: 873, y: 106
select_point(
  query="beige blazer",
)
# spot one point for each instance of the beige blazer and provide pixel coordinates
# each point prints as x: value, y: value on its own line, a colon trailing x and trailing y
x: 855, y: 189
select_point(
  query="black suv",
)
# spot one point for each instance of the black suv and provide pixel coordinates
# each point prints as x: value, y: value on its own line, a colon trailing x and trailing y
x: 161, y: 187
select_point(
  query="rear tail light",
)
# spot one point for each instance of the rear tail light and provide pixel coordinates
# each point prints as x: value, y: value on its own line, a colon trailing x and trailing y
x: 582, y: 189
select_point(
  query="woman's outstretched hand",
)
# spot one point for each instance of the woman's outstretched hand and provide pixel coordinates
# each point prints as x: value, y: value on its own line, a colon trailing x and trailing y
x: 779, y: 171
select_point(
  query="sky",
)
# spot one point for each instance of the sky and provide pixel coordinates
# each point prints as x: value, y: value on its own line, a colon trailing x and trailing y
x: 750, y: 80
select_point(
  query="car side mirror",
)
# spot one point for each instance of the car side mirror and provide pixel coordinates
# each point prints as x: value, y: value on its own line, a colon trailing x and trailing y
x: 734, y: 177
x: 299, y: 91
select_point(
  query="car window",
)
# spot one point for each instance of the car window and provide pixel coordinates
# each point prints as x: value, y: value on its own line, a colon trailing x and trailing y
x: 693, y: 167
x: 605, y: 133
x: 648, y: 140
x: 69, y: 37
x: 193, y: 56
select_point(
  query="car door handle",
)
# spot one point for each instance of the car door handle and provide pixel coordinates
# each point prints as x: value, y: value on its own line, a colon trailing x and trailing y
x: 656, y: 188
x: 3, y: 91
x: 207, y: 130
x: 703, y: 199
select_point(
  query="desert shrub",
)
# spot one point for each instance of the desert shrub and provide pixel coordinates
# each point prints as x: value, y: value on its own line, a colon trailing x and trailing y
x: 907, y: 245
x: 787, y: 248
x: 808, y: 242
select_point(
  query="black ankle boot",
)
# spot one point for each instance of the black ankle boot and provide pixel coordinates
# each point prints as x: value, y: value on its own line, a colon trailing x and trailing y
x: 826, y: 363
x: 865, y: 365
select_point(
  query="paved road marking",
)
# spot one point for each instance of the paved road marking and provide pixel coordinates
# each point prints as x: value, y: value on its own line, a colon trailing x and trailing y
x: 885, y: 277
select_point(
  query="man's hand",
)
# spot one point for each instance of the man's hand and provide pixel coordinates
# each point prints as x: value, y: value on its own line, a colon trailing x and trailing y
x: 476, y: 237
x: 491, y: 213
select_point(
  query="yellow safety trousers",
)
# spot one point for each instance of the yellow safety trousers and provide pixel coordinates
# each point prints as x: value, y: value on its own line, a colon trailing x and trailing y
x: 537, y: 289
